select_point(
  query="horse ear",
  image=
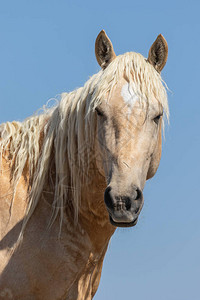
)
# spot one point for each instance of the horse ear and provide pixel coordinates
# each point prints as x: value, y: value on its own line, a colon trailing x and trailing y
x: 158, y: 53
x: 104, y: 50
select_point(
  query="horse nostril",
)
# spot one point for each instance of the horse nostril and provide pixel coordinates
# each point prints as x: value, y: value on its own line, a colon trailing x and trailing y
x: 138, y: 194
x: 108, y: 198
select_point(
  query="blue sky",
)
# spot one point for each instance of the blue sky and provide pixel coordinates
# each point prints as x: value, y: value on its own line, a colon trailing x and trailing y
x: 47, y: 47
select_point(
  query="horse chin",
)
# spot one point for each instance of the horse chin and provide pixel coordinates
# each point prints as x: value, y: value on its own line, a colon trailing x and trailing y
x: 123, y: 224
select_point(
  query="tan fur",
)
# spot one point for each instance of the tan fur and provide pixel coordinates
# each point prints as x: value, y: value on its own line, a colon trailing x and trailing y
x: 53, y: 173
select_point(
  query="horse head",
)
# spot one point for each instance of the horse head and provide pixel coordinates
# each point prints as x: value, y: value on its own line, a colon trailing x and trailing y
x: 129, y: 127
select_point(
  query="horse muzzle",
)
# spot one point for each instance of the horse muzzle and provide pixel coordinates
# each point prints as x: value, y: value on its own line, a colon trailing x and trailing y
x: 124, y: 210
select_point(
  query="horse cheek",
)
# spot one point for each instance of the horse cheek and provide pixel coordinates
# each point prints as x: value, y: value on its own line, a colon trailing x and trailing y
x: 155, y: 159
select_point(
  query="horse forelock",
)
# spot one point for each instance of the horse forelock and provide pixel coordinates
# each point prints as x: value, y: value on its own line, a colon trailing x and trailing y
x: 68, y: 131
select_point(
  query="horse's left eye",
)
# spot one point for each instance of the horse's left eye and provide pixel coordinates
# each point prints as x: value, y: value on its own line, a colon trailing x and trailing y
x: 99, y: 112
x: 157, y: 119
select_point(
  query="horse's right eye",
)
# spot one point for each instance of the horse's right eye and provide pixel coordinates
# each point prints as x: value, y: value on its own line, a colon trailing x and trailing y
x: 99, y: 112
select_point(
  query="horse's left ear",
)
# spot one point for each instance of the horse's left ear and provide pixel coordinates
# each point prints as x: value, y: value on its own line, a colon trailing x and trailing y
x: 104, y: 50
x: 158, y: 53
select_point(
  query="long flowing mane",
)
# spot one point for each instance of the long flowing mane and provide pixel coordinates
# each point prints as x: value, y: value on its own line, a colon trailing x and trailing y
x: 65, y: 134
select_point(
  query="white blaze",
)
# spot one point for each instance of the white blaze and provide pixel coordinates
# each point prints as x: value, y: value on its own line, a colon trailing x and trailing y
x: 129, y: 96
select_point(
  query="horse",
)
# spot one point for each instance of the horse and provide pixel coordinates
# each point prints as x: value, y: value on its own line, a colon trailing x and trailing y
x: 72, y: 174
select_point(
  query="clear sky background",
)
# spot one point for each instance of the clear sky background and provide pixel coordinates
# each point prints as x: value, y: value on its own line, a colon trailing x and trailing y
x: 47, y: 47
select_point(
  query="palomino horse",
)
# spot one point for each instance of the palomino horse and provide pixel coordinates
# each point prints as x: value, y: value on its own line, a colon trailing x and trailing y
x: 72, y: 174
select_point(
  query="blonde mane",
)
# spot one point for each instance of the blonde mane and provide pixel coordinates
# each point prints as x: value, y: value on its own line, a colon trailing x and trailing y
x: 67, y: 131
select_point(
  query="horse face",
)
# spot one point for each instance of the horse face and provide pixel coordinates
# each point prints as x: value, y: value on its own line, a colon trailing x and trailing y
x: 128, y: 137
x: 129, y: 144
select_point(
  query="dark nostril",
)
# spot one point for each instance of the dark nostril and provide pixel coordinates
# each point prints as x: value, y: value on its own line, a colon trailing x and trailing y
x: 108, y: 198
x: 138, y: 194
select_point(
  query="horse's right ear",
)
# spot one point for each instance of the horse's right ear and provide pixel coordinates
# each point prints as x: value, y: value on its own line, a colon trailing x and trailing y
x: 104, y: 50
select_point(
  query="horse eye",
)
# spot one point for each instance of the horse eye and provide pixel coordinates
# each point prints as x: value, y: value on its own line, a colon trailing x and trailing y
x: 99, y: 112
x: 157, y: 119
